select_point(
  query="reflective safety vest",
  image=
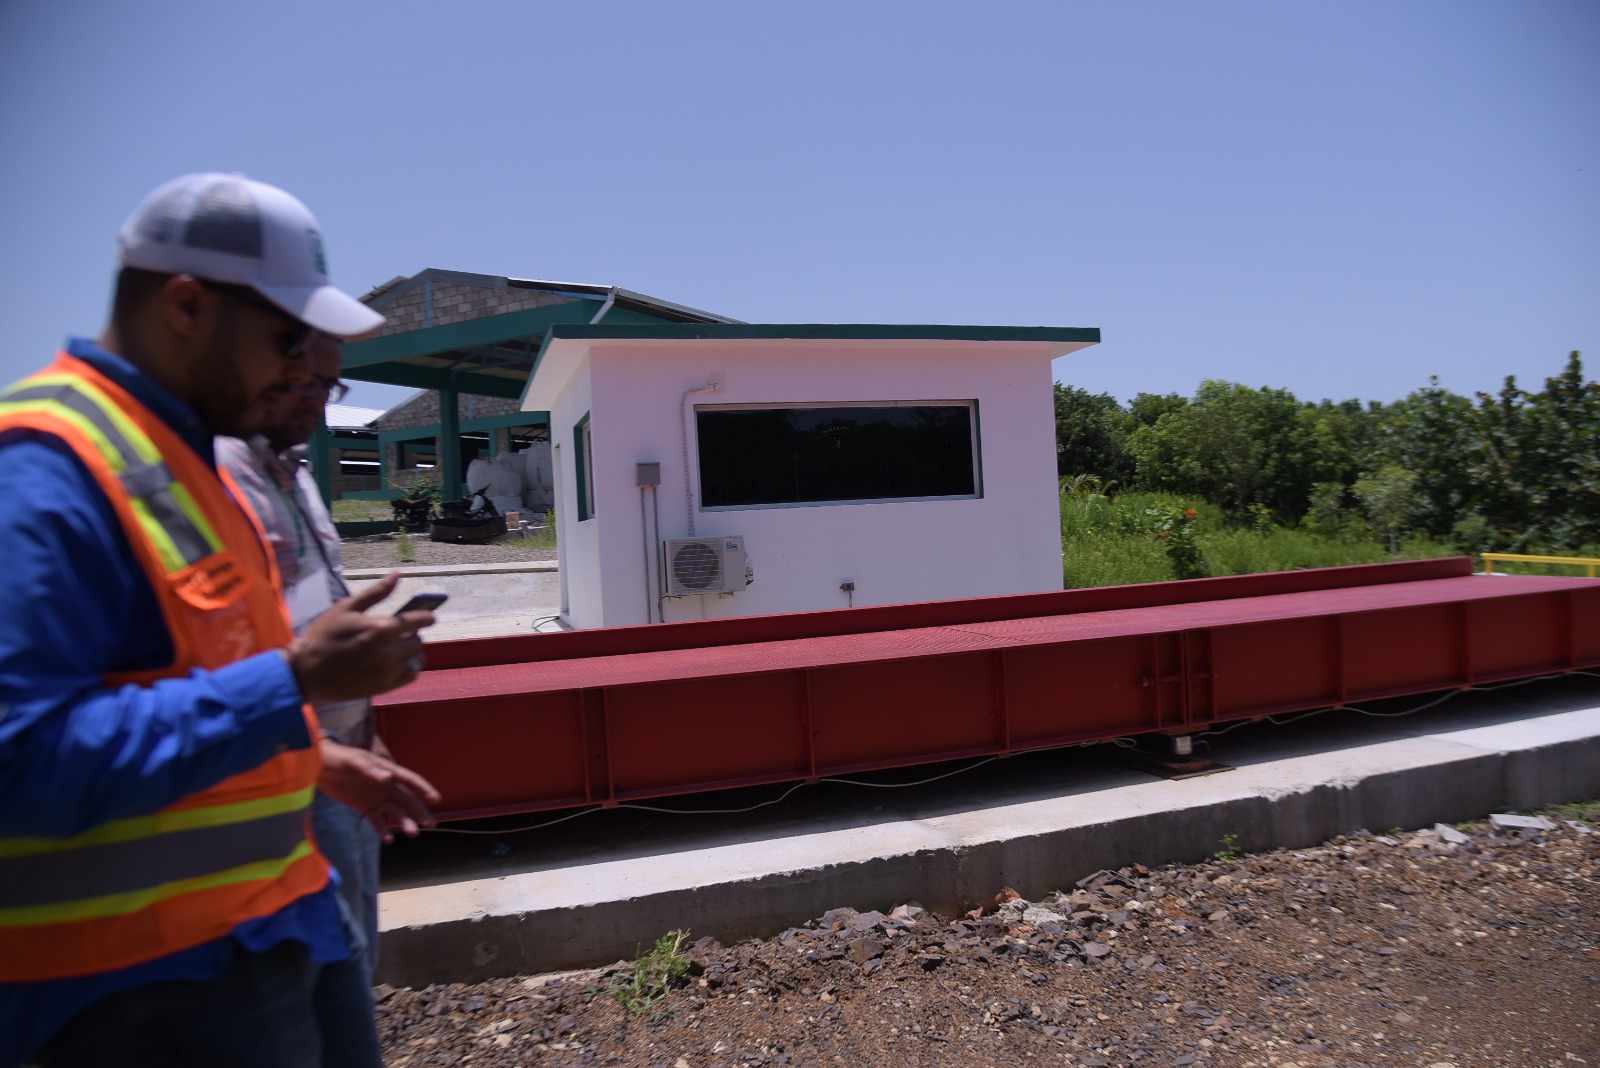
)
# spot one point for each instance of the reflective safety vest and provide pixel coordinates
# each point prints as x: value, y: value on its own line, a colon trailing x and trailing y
x: 148, y: 885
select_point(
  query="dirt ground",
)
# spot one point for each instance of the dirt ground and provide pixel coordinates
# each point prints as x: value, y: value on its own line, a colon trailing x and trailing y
x: 1401, y: 949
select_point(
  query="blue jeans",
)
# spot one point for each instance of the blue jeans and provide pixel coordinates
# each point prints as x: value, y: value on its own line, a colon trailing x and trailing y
x: 351, y: 846
x: 266, y: 1010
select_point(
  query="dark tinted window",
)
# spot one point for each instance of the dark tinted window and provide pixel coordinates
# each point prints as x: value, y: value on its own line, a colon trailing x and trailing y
x: 752, y: 456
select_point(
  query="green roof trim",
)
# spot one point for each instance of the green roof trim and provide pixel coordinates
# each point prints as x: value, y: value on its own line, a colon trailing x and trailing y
x: 1078, y: 335
x: 414, y: 377
x: 467, y: 336
x: 533, y: 372
x: 494, y: 422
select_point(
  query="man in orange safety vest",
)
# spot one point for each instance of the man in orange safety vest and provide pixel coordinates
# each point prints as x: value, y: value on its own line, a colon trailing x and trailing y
x: 161, y: 901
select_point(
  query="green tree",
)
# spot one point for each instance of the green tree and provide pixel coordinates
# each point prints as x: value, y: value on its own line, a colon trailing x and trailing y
x: 1147, y: 408
x: 1431, y: 433
x: 1336, y: 436
x: 1233, y: 445
x: 1326, y: 514
x: 1537, y: 462
x: 1389, y: 498
x: 1091, y: 435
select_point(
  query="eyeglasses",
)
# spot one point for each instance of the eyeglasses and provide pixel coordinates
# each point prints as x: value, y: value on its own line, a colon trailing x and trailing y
x: 305, y: 337
x: 335, y: 389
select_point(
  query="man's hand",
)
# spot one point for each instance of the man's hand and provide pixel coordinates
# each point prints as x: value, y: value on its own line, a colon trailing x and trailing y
x: 347, y: 653
x: 389, y: 796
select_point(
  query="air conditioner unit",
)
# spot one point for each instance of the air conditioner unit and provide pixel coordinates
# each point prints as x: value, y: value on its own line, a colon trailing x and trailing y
x: 704, y: 565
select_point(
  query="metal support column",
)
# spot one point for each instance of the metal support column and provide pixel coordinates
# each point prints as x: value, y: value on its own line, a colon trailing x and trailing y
x: 320, y: 453
x: 450, y: 472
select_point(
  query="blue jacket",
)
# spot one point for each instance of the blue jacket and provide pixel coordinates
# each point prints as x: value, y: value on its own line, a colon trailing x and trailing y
x: 74, y: 754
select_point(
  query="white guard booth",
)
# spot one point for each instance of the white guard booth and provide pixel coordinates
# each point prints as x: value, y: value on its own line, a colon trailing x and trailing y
x: 712, y: 470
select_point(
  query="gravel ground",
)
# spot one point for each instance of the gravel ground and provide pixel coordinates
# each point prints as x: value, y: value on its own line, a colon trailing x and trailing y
x: 1399, y: 949
x: 382, y: 550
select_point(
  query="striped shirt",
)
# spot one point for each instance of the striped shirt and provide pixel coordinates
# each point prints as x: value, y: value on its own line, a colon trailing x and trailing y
x: 281, y: 491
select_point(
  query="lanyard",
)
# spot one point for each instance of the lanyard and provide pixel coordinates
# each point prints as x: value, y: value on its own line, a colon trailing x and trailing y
x: 291, y: 500
x: 291, y: 497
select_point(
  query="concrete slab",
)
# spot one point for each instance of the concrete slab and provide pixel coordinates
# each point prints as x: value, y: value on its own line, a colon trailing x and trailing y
x: 530, y: 896
x: 485, y: 599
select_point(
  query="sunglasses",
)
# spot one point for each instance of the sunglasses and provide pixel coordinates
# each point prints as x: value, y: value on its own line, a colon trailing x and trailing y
x: 335, y: 389
x: 305, y: 336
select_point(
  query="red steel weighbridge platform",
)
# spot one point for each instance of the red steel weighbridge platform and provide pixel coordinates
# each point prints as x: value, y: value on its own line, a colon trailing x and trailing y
x: 544, y: 721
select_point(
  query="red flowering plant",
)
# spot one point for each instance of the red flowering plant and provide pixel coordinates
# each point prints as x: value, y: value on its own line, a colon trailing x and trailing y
x: 1175, y: 528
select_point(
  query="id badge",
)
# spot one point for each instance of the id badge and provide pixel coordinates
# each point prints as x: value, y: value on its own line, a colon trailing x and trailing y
x: 308, y: 598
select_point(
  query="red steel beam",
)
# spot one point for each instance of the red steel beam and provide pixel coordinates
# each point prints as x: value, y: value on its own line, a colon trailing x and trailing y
x: 544, y: 721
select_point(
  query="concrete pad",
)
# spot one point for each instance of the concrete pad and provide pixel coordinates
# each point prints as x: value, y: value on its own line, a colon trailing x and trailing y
x: 597, y: 887
x: 486, y: 600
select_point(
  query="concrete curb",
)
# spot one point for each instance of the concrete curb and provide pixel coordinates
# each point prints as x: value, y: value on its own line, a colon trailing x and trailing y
x: 585, y: 914
x: 516, y: 567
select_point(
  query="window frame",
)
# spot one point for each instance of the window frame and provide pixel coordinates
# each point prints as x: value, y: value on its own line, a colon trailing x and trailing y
x: 583, y: 460
x: 975, y: 450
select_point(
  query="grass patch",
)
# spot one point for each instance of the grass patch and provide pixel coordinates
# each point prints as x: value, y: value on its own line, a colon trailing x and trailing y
x: 646, y: 984
x: 538, y: 538
x: 1243, y: 552
x: 1113, y: 560
x: 354, y: 510
x: 1230, y: 848
x: 1108, y: 541
x: 1582, y: 811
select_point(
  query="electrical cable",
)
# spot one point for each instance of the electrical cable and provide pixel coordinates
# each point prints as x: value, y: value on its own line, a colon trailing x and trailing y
x: 641, y: 808
x: 1122, y: 742
x: 1441, y: 699
x: 513, y: 830
x: 919, y: 782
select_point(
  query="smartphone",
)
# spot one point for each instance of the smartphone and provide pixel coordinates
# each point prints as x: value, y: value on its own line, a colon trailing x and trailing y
x: 424, y: 602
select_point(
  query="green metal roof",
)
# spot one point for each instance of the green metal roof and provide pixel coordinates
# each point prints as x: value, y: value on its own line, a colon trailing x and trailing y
x: 493, y: 356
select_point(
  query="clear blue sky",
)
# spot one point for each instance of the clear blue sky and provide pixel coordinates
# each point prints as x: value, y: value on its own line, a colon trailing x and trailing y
x: 1339, y: 198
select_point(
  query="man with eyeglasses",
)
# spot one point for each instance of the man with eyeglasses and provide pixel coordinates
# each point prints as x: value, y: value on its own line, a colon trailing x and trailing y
x: 362, y: 795
x: 161, y: 902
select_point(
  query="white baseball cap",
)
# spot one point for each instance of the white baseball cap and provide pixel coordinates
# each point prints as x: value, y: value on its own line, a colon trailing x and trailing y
x: 229, y: 228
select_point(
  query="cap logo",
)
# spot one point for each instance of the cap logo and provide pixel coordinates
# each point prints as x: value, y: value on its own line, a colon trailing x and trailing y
x: 318, y: 260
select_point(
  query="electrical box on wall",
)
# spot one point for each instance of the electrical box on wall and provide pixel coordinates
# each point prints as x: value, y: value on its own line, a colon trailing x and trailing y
x: 703, y: 565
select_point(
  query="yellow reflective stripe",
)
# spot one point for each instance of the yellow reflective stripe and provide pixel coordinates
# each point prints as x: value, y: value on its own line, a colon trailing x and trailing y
x: 151, y: 455
x: 171, y: 556
x: 133, y: 901
x: 134, y: 441
x: 144, y: 448
x: 136, y: 827
x: 186, y: 504
x: 126, y: 428
x: 103, y: 444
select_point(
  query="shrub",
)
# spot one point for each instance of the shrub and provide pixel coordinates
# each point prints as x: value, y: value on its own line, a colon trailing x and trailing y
x: 1174, y: 528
